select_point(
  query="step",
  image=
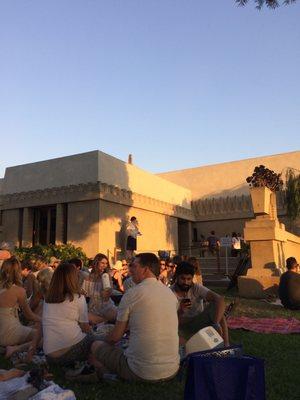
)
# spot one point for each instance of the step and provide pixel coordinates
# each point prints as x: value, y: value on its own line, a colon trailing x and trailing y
x: 216, y: 281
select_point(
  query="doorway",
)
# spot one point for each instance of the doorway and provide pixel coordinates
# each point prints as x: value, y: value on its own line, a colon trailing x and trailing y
x: 44, y: 225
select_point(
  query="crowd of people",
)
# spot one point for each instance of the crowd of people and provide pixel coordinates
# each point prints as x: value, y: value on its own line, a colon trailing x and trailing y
x: 157, y: 304
x: 211, y: 245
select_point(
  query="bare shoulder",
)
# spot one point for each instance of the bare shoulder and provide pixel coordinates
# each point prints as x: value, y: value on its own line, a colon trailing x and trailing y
x: 20, y: 291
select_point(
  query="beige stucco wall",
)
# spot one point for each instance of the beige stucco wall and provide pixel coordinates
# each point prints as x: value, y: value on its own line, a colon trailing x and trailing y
x: 159, y: 232
x: 10, y: 221
x: 83, y: 227
x: 291, y: 247
x: 131, y: 177
x: 63, y: 171
x: 228, y: 179
x: 94, y: 166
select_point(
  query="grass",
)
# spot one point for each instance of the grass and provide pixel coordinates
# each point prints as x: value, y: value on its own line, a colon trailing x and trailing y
x: 281, y: 354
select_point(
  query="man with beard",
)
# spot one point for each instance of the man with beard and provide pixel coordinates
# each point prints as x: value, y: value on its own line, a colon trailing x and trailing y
x: 192, y: 314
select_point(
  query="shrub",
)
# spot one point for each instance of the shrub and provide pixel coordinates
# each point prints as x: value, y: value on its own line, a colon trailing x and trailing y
x: 63, y: 252
x: 265, y: 177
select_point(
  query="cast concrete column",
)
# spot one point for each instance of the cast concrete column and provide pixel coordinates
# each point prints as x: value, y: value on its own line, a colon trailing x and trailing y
x: 190, y: 238
x: 60, y: 220
x: 27, y: 228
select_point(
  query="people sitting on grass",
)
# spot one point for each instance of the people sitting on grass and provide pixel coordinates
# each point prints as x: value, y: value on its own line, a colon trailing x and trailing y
x: 5, y: 252
x: 192, y: 314
x: 82, y: 274
x: 13, y: 335
x: 30, y: 282
x: 44, y: 278
x: 101, y: 307
x: 66, y: 326
x: 163, y: 273
x: 71, y: 305
x: 149, y: 310
x: 117, y: 277
x: 289, y: 285
x: 196, y: 264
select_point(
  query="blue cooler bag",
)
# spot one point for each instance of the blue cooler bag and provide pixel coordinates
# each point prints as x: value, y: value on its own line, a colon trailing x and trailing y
x: 213, y: 377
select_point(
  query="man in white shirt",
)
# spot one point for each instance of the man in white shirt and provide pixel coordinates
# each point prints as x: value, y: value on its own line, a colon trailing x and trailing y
x: 132, y: 232
x: 149, y: 311
x: 192, y: 314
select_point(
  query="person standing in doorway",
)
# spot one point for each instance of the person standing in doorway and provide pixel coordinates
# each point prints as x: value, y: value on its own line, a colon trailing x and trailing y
x: 133, y: 232
x: 235, y: 245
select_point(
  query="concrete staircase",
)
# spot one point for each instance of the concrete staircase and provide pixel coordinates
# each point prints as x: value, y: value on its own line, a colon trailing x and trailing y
x: 209, y: 270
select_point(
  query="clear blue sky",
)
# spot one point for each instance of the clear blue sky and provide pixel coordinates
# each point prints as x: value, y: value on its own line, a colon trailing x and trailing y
x: 177, y: 83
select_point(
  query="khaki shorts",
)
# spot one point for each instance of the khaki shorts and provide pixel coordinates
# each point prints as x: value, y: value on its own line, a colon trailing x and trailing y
x: 114, y: 360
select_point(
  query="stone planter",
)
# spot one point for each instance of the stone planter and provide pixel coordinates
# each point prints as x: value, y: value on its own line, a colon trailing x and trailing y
x: 261, y: 197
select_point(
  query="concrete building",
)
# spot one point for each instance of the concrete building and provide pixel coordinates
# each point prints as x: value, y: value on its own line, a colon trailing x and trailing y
x: 220, y: 194
x: 87, y: 199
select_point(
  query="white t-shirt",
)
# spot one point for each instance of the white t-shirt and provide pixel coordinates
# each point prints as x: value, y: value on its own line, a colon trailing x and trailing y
x: 151, y: 309
x: 236, y: 243
x: 132, y: 230
x: 60, y: 323
x: 197, y: 293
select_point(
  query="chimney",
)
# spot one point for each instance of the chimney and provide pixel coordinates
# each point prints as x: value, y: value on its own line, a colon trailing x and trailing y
x: 130, y: 159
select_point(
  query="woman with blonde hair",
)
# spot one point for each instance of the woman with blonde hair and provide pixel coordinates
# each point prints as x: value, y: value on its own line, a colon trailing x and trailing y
x: 65, y: 318
x: 15, y: 336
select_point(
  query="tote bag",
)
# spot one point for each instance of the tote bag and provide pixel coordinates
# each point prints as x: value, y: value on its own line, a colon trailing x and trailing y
x: 224, y: 378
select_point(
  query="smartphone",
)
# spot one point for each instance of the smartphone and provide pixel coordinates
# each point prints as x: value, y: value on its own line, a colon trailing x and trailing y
x: 187, y: 302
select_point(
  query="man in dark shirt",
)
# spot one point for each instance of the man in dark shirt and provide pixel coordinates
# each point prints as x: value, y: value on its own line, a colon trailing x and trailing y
x: 214, y: 248
x: 289, y: 286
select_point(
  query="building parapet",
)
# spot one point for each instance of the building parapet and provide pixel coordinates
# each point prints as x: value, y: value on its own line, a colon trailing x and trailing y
x: 92, y: 191
x: 230, y: 207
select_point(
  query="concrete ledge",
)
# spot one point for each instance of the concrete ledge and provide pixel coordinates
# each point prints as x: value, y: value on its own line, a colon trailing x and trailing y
x: 257, y: 287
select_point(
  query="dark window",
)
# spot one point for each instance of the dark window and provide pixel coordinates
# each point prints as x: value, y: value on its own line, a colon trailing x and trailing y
x: 65, y: 219
x: 20, y: 230
x: 195, y: 235
x: 52, y: 227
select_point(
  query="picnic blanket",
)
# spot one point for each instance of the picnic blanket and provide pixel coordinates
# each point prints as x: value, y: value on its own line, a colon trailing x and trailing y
x: 265, y: 325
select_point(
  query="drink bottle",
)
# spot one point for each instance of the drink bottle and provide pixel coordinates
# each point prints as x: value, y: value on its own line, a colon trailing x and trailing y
x: 105, y: 281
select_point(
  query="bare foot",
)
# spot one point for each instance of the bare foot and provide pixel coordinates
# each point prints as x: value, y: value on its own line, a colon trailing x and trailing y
x: 30, y: 354
x: 12, y: 373
x: 10, y: 350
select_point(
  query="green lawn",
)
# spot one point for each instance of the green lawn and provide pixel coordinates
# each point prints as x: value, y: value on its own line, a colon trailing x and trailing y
x: 281, y: 352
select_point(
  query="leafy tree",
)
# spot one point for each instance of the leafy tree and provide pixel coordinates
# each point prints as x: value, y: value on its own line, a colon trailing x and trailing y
x: 269, y: 3
x: 292, y: 195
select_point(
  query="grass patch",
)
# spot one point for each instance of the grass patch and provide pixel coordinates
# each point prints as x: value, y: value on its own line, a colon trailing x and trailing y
x: 281, y: 354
